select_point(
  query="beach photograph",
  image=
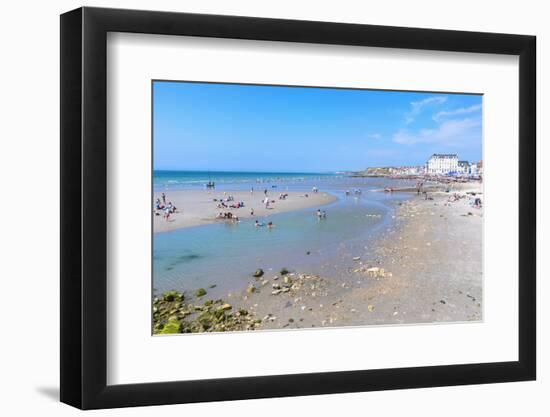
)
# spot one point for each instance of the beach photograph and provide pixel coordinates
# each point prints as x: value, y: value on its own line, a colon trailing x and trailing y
x: 290, y: 207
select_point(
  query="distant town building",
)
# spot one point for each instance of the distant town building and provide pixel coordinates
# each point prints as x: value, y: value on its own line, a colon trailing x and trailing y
x: 438, y: 164
x: 474, y: 170
x: 463, y: 168
x: 407, y: 170
x: 442, y: 164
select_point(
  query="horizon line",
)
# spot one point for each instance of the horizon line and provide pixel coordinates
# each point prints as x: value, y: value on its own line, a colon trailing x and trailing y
x: 253, y: 171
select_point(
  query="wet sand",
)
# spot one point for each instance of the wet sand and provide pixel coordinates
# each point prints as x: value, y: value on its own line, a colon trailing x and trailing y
x: 426, y: 268
x: 197, y: 207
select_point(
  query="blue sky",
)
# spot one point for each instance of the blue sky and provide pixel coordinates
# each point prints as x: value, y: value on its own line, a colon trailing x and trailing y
x: 225, y: 127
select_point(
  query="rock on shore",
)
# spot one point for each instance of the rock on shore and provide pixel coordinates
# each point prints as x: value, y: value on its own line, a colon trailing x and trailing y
x: 171, y: 315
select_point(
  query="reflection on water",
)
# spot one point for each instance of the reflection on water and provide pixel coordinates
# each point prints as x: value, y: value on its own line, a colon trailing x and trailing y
x: 225, y: 255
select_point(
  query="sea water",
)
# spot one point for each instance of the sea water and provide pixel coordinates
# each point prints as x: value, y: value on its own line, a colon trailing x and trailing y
x: 180, y: 180
x: 227, y: 254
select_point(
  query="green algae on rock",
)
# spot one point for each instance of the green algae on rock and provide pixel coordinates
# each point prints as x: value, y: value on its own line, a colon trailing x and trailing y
x: 171, y: 315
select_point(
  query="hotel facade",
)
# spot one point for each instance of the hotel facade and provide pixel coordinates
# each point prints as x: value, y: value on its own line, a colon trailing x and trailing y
x: 442, y: 164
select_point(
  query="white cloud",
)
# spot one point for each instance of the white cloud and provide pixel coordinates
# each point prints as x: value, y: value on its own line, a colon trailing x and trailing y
x: 418, y: 106
x: 448, y: 132
x: 464, y: 110
x: 374, y: 136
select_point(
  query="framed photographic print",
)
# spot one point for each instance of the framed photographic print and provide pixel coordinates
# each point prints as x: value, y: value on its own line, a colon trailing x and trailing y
x: 258, y: 207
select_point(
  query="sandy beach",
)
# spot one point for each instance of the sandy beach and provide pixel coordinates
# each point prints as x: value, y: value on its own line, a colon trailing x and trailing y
x: 426, y: 267
x: 197, y: 207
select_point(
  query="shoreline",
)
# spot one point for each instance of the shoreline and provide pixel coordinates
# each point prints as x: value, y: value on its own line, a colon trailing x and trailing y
x: 433, y: 187
x: 201, y: 207
x: 426, y: 267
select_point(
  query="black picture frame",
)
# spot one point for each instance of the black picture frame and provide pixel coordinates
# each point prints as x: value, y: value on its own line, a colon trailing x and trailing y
x: 84, y: 207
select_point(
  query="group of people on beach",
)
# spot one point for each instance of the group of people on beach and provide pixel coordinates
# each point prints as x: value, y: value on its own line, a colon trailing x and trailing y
x: 266, y: 201
x: 165, y: 209
x: 475, y: 201
x: 161, y: 207
x: 237, y: 205
x: 228, y: 216
x: 222, y: 202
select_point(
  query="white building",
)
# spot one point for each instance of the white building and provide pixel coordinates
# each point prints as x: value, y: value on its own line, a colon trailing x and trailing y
x: 480, y: 168
x: 442, y: 164
x: 474, y: 171
x: 463, y: 168
x: 408, y: 170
